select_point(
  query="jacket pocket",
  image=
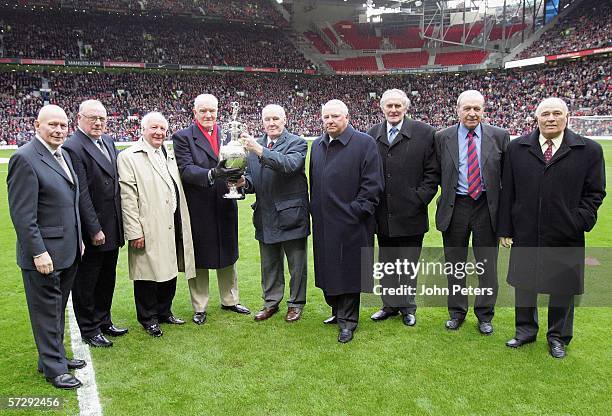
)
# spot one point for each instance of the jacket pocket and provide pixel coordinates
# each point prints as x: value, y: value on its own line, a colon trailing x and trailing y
x: 290, y: 213
x: 52, y: 232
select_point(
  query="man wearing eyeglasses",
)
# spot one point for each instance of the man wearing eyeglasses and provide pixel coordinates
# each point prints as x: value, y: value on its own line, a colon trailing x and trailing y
x: 95, y: 158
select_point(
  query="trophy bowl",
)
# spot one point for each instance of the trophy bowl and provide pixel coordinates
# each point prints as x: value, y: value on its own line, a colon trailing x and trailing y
x: 233, y: 153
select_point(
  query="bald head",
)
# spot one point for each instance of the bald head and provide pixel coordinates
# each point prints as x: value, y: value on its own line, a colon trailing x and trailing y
x: 52, y: 125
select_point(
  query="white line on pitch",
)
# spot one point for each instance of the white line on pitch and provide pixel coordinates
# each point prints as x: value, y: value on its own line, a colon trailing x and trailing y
x: 89, y: 401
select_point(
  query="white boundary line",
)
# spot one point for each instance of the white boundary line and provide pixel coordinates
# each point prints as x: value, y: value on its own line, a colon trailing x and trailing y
x: 87, y: 394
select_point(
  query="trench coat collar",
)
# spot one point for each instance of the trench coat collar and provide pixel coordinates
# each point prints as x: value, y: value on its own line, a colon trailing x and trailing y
x: 405, y: 132
x: 264, y: 139
x: 150, y: 151
x: 343, y: 138
x: 570, y: 140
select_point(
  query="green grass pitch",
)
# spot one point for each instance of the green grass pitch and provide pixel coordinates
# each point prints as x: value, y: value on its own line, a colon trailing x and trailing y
x: 233, y: 365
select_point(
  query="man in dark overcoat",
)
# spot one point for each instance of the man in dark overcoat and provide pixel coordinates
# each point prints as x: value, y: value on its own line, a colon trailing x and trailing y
x: 214, y: 219
x: 345, y: 187
x: 553, y: 183
x: 411, y: 179
x: 276, y: 174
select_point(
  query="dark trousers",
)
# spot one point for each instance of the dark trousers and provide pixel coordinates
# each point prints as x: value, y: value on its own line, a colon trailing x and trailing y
x: 346, y: 309
x: 153, y: 300
x: 273, y: 272
x: 471, y: 217
x: 391, y: 249
x: 560, y: 316
x: 92, y: 294
x: 47, y: 296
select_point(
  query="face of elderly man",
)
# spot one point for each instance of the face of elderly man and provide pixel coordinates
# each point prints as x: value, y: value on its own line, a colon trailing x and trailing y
x: 334, y: 121
x: 394, y: 108
x: 52, y: 125
x: 155, y: 130
x: 470, y: 111
x: 205, y: 111
x: 552, y: 119
x: 273, y: 122
x: 92, y: 119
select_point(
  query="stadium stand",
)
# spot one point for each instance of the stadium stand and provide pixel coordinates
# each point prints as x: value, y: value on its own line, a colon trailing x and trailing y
x: 358, y: 36
x: 461, y: 58
x: 361, y: 63
x: 318, y: 43
x: 405, y: 60
x: 497, y: 32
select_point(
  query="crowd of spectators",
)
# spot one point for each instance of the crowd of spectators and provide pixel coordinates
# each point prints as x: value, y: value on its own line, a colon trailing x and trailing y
x: 588, y: 26
x: 511, y: 96
x: 179, y: 40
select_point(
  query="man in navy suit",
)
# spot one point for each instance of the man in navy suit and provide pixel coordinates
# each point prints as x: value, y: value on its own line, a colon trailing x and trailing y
x: 95, y: 159
x: 214, y: 220
x: 43, y: 194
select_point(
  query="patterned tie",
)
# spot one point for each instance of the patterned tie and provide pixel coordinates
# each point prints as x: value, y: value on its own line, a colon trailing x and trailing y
x: 103, y: 149
x: 270, y: 144
x: 60, y: 159
x: 392, y: 134
x: 548, y: 153
x: 163, y: 167
x: 474, y: 181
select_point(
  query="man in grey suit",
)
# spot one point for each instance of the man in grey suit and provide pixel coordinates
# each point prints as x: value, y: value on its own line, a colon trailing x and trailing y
x: 276, y: 174
x: 43, y: 194
x: 470, y: 157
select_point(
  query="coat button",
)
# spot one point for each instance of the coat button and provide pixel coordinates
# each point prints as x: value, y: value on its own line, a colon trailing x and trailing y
x: 388, y: 175
x: 388, y: 154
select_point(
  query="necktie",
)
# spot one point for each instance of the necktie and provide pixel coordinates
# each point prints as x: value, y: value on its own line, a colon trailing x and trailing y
x: 163, y: 167
x: 103, y: 149
x: 60, y: 159
x: 270, y: 144
x: 548, y: 153
x: 392, y: 134
x: 474, y: 181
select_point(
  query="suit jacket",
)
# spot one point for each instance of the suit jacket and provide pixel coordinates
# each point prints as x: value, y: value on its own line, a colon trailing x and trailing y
x: 100, y: 199
x: 214, y: 219
x: 278, y: 180
x: 411, y: 178
x: 551, y: 206
x: 146, y: 197
x: 493, y: 146
x: 44, y: 206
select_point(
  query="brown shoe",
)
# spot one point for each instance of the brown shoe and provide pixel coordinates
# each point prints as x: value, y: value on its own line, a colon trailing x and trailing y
x: 265, y: 313
x: 293, y: 314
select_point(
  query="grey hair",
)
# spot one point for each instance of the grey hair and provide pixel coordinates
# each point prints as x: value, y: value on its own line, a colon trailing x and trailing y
x: 202, y: 98
x: 551, y: 101
x: 394, y: 93
x: 336, y: 103
x: 153, y: 115
x: 90, y: 103
x: 470, y: 94
x: 275, y: 109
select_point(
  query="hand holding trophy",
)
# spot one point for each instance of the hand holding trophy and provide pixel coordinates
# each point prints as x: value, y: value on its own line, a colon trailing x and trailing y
x: 232, y: 155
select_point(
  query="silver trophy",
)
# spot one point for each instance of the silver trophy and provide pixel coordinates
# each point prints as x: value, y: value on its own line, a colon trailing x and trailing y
x: 233, y: 152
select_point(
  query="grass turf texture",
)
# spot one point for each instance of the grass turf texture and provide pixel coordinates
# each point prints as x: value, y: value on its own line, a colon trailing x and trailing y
x: 233, y: 365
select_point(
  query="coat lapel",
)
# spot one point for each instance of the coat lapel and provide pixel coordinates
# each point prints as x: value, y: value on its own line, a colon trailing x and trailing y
x: 486, y: 144
x: 453, y: 146
x: 202, y: 142
x: 533, y: 141
x: 151, y: 156
x: 96, y: 153
x: 49, y: 160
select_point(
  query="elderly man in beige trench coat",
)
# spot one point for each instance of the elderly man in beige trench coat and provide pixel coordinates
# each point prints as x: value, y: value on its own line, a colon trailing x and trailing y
x: 156, y: 223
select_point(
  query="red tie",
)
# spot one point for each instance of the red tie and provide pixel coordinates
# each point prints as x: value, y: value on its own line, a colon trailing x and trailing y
x: 548, y: 153
x: 474, y: 181
x: 270, y: 144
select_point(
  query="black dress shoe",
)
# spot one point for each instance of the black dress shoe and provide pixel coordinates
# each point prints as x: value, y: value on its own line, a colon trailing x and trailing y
x: 517, y: 342
x: 485, y: 328
x: 556, y: 348
x: 173, y: 320
x: 331, y: 320
x: 383, y: 314
x: 409, y: 319
x: 64, y: 381
x: 453, y: 324
x: 154, y: 330
x: 98, y: 341
x: 113, y: 331
x: 238, y: 308
x: 345, y: 335
x: 199, y: 318
x: 75, y: 364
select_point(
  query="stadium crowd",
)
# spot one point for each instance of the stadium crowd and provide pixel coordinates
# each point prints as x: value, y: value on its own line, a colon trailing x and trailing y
x: 576, y: 31
x: 511, y: 96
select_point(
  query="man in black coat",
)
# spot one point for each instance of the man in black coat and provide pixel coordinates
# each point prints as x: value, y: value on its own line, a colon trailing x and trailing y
x: 43, y: 196
x: 411, y: 180
x: 345, y: 187
x: 214, y: 219
x: 95, y: 158
x: 554, y: 181
x: 276, y: 174
x: 469, y: 156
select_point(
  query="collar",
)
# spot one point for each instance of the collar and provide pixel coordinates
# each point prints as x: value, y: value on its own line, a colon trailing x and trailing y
x: 47, y: 145
x: 147, y: 146
x: 343, y: 138
x: 398, y: 126
x: 463, y: 131
x: 556, y: 140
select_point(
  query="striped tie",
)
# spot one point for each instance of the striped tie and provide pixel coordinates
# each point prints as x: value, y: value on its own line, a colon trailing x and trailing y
x: 474, y: 181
